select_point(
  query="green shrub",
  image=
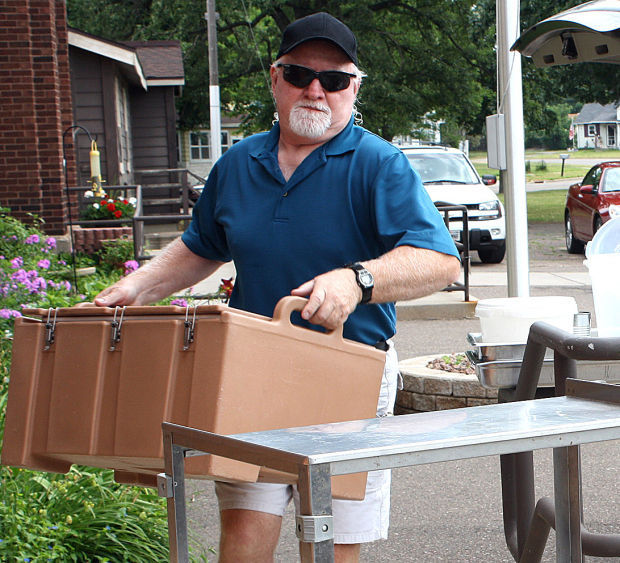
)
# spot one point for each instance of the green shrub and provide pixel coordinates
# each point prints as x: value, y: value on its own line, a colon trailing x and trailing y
x: 115, y: 254
x: 528, y: 166
x: 84, y: 515
x: 541, y: 166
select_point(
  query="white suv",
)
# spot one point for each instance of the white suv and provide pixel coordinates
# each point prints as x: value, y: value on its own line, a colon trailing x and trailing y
x: 449, y: 177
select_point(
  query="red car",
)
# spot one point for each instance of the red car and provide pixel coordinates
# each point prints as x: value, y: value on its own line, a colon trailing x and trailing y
x: 588, y: 204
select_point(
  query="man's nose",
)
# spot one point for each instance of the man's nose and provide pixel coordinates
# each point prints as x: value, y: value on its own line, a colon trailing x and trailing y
x: 315, y: 90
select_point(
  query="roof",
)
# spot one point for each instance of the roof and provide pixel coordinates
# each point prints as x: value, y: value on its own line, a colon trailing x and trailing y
x: 162, y: 61
x: 150, y: 63
x: 596, y: 113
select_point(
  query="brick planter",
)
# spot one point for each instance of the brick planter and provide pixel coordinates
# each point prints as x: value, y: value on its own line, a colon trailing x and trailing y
x: 428, y: 389
x: 89, y: 239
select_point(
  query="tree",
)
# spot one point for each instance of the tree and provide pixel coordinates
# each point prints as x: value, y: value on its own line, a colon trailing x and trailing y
x: 421, y: 57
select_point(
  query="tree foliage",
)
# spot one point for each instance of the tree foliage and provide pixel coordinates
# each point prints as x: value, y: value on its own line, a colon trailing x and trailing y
x: 422, y: 57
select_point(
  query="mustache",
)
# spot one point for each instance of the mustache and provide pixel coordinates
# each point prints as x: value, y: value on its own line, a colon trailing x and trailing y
x: 312, y: 105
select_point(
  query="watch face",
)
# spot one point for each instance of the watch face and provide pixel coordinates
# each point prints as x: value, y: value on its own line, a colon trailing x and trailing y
x: 366, y: 278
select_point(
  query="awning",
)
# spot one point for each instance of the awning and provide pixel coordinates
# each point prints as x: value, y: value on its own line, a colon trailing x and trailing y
x: 589, y: 32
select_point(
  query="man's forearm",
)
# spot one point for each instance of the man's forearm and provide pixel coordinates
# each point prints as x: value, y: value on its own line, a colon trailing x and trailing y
x: 407, y: 272
x: 174, y: 268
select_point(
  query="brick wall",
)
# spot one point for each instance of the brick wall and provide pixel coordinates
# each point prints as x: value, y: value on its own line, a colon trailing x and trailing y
x: 36, y: 108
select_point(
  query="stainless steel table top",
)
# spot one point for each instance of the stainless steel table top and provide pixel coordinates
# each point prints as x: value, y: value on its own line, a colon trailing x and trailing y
x: 427, y: 437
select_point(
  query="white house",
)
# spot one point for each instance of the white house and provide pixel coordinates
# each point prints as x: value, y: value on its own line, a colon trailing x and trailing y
x: 598, y: 127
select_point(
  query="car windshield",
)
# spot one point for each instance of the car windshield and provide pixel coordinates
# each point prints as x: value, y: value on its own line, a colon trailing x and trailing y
x: 612, y: 180
x: 443, y: 168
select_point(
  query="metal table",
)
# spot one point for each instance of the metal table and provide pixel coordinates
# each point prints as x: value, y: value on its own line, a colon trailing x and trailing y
x: 590, y: 412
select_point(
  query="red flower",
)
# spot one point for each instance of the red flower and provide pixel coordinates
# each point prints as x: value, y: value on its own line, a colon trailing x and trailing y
x: 118, y: 214
x: 226, y: 287
x: 126, y: 202
x: 111, y: 206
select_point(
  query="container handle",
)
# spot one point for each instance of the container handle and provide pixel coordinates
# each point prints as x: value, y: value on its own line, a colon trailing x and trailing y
x: 290, y: 303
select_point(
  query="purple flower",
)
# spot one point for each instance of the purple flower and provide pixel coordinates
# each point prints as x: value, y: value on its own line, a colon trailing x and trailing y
x: 51, y: 242
x: 8, y: 313
x: 45, y: 264
x: 179, y: 302
x: 21, y: 276
x: 17, y: 262
x: 32, y: 239
x: 131, y: 266
x: 62, y: 262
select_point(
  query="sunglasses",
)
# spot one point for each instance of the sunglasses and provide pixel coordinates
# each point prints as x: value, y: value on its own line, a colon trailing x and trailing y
x: 301, y: 76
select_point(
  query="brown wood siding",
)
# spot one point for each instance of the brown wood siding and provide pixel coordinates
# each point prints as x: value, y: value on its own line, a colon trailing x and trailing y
x: 87, y: 108
x: 150, y: 129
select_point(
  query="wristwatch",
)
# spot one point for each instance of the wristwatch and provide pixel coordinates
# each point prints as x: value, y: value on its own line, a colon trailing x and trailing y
x: 364, y: 279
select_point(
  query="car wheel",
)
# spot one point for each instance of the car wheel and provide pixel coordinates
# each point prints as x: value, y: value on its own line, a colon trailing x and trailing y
x: 573, y: 245
x: 492, y: 255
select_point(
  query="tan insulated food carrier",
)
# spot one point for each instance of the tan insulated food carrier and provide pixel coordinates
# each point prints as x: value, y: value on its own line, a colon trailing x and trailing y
x: 92, y: 385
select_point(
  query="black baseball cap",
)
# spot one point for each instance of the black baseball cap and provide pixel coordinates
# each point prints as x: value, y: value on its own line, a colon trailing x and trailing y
x: 319, y: 26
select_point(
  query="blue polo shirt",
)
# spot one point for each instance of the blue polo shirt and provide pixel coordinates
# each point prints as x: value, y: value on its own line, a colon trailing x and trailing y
x: 352, y: 199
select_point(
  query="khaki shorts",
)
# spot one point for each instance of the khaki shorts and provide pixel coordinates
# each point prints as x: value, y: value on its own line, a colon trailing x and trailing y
x: 354, y: 521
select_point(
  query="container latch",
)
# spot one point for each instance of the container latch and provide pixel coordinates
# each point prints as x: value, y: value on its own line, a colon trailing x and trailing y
x: 50, y: 328
x: 116, y: 328
x: 188, y: 336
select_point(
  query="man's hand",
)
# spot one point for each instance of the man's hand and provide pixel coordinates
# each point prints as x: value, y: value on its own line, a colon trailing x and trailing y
x: 332, y: 297
x: 114, y: 295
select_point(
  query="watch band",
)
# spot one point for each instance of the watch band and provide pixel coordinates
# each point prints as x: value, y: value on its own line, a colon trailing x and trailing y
x: 364, y: 280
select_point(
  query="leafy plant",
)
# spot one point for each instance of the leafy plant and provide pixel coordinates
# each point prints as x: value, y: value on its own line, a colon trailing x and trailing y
x: 115, y: 254
x: 542, y: 165
x: 104, y: 208
x: 84, y: 515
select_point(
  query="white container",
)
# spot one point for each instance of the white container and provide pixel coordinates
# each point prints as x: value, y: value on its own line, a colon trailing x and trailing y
x: 603, y: 262
x: 508, y: 320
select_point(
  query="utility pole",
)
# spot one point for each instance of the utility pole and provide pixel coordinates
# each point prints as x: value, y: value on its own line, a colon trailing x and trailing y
x: 214, y: 83
x: 513, y: 178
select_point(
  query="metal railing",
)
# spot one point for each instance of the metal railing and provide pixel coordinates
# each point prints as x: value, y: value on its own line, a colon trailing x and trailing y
x: 448, y: 211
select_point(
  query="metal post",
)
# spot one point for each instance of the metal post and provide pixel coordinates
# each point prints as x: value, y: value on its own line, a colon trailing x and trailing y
x: 315, y: 521
x: 568, y: 506
x: 513, y: 180
x: 172, y: 486
x: 214, y: 84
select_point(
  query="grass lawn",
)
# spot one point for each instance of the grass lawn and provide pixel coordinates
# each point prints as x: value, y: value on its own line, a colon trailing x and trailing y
x: 545, y: 206
x: 538, y: 173
x: 547, y: 165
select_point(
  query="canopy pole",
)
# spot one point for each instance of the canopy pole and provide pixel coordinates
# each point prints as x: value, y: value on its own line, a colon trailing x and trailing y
x: 511, y: 105
x: 214, y: 85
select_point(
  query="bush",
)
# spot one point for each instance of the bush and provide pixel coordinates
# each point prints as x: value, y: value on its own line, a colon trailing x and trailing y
x: 84, y: 515
x: 115, y: 254
x: 541, y: 166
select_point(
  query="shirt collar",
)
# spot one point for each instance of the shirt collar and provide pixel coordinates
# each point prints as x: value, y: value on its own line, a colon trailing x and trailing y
x: 343, y: 142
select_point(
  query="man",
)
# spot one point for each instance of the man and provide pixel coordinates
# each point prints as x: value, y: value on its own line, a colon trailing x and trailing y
x: 319, y: 208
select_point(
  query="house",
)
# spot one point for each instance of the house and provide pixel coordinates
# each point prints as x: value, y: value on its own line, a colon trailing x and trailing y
x: 123, y: 93
x: 54, y: 79
x: 195, y: 152
x: 598, y: 126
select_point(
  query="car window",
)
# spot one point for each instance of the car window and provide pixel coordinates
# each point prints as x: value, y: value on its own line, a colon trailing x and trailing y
x: 439, y: 167
x: 592, y: 178
x: 611, y: 181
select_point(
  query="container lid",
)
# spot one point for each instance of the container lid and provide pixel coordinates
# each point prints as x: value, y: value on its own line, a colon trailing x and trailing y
x: 606, y: 240
x: 526, y: 306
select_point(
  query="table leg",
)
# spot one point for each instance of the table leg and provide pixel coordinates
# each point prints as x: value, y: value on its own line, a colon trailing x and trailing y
x: 174, y: 491
x: 315, y: 523
x: 568, y: 504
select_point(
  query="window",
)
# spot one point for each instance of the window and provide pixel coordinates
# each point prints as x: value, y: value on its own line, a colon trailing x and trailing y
x: 199, y: 145
x: 592, y: 130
